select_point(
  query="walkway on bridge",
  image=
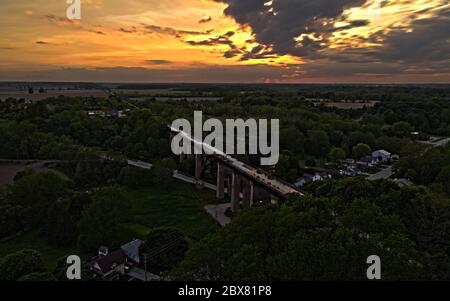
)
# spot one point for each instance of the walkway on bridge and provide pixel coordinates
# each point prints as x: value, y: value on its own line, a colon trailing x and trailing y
x: 275, y: 184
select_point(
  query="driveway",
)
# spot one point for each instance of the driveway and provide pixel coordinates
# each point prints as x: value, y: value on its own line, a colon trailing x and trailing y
x: 217, y: 211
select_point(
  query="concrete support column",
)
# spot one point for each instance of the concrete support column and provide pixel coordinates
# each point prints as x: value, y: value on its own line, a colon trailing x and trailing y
x: 220, y: 181
x: 235, y: 191
x: 261, y: 195
x: 246, y: 194
x: 252, y: 193
x: 274, y: 199
x: 198, y: 166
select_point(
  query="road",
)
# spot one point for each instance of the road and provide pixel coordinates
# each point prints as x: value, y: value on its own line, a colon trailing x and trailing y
x: 442, y: 142
x: 218, y: 211
x: 139, y: 274
x: 140, y: 164
x: 383, y: 174
x: 177, y: 175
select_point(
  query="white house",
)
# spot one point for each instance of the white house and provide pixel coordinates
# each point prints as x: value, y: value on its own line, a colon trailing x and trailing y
x: 382, y: 155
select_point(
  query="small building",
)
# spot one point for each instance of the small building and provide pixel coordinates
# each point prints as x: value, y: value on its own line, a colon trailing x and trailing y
x: 368, y: 161
x: 324, y: 175
x: 308, y: 178
x: 300, y: 182
x: 403, y: 182
x: 348, y: 173
x: 349, y: 161
x: 131, y: 250
x: 109, y: 267
x: 382, y: 155
x: 395, y: 157
x: 103, y: 251
x: 112, y: 113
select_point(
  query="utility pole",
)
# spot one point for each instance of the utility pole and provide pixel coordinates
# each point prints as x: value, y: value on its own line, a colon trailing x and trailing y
x: 145, y: 266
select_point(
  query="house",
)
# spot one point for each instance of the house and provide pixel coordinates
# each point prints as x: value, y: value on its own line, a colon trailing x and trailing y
x: 403, y: 182
x: 131, y: 250
x: 112, y: 113
x: 348, y: 172
x: 382, y: 155
x: 307, y: 178
x: 349, y: 161
x: 300, y: 182
x: 324, y: 175
x: 368, y: 161
x: 103, y: 251
x: 395, y: 157
x: 109, y: 267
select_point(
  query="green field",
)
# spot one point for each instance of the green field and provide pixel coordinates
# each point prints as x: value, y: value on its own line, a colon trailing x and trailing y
x: 179, y: 205
x: 32, y: 240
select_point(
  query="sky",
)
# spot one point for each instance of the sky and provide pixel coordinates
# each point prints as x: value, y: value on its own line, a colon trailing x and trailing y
x: 227, y: 41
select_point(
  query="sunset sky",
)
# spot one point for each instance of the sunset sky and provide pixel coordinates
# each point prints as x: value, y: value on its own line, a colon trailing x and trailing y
x: 278, y: 41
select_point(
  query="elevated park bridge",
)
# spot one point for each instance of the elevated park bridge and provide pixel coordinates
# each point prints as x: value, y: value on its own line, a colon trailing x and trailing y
x: 244, y: 185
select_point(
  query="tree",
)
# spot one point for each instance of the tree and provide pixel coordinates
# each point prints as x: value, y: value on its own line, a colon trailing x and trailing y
x: 10, y: 219
x: 100, y: 221
x: 402, y: 129
x: 319, y: 142
x: 21, y: 263
x: 361, y: 150
x: 293, y: 140
x: 307, y: 239
x: 36, y: 192
x: 165, y: 248
x: 163, y: 171
x: 337, y: 154
x: 444, y: 178
x: 60, y: 229
x: 134, y: 177
x: 77, y: 203
x: 43, y: 276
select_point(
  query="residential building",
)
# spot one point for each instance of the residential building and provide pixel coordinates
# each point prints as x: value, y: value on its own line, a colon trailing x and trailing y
x: 131, y: 250
x: 109, y: 267
x: 382, y: 155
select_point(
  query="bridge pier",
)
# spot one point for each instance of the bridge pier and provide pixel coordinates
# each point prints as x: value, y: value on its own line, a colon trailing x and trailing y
x: 220, y: 181
x: 235, y: 191
x: 247, y: 193
x: 199, y: 164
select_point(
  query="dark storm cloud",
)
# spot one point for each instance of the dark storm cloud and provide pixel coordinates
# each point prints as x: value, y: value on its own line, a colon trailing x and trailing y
x: 199, y: 74
x: 279, y: 24
x: 172, y: 31
x: 429, y: 41
x: 219, y: 40
x: 158, y: 62
x: 65, y: 22
x: 322, y: 71
x: 58, y: 20
x: 205, y: 20
x: 41, y: 43
x: 423, y: 50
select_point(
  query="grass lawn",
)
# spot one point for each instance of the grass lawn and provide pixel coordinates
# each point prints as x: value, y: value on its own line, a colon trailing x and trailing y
x: 32, y: 240
x: 179, y: 205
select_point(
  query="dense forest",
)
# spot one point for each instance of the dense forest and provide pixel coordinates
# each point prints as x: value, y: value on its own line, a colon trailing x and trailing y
x: 325, y: 235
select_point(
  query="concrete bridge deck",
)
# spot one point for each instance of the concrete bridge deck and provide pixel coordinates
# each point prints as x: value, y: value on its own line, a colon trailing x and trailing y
x: 279, y: 187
